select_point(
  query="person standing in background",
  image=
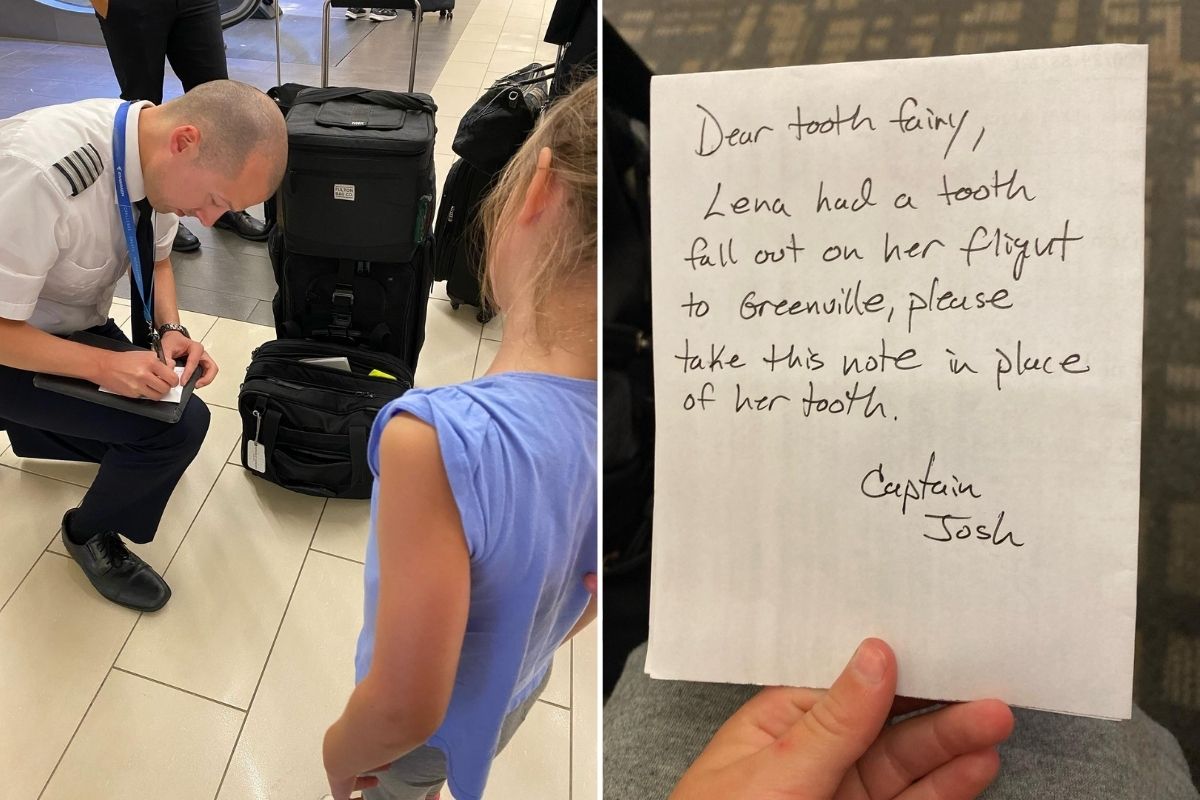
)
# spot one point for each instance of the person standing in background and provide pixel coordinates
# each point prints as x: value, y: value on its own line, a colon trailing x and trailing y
x: 140, y: 36
x: 373, y: 14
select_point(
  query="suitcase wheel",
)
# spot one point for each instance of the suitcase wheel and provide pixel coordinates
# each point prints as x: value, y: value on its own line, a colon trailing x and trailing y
x: 446, y: 14
x: 484, y: 316
x: 454, y: 304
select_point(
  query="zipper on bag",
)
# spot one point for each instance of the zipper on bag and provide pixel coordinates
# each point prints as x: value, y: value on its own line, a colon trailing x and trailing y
x: 299, y: 387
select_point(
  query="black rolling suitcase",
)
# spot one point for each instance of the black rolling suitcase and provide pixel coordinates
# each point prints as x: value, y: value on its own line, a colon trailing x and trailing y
x: 444, y: 8
x: 352, y: 251
x: 459, y: 249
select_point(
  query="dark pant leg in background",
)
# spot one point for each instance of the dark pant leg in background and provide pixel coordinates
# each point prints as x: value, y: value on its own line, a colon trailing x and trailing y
x: 195, y: 45
x: 135, y: 33
x: 141, y: 459
x: 142, y: 34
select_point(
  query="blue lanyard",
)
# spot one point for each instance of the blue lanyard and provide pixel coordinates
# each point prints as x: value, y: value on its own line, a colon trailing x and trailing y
x: 135, y: 262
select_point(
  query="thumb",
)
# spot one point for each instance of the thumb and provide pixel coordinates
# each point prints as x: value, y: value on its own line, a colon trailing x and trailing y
x: 835, y: 732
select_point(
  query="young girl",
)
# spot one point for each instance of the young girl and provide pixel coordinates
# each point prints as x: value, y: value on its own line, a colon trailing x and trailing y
x: 484, y: 509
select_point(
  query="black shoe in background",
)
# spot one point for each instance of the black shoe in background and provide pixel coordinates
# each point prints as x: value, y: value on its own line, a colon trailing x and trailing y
x: 117, y: 574
x: 185, y: 241
x: 243, y: 225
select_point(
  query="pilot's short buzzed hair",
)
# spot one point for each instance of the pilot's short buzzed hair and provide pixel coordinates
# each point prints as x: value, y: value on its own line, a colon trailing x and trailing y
x: 235, y: 120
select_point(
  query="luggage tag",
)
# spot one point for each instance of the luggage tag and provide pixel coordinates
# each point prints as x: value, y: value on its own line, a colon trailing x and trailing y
x: 256, y: 454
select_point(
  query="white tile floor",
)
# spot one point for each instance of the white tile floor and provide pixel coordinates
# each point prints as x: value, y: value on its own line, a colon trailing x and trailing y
x: 227, y: 691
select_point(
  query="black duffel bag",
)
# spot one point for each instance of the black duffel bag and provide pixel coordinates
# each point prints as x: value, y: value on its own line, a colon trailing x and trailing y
x: 305, y: 426
x: 494, y: 128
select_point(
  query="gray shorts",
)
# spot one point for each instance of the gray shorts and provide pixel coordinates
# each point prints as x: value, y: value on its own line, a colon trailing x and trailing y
x: 421, y: 774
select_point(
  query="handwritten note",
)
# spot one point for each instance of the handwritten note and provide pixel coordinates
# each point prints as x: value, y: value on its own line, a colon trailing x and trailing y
x: 897, y: 351
x: 173, y: 395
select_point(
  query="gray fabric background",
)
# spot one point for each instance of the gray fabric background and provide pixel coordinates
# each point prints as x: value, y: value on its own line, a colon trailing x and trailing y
x: 654, y: 729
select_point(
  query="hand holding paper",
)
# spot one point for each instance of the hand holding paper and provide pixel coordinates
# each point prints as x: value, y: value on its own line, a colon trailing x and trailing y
x: 799, y: 744
x: 136, y: 373
x: 173, y: 395
x: 178, y: 346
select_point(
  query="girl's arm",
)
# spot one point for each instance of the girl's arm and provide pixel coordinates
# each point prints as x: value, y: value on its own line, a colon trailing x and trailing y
x: 589, y: 614
x: 424, y: 595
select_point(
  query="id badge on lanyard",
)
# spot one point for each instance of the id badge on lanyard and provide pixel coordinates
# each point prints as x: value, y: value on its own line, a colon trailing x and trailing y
x: 145, y: 292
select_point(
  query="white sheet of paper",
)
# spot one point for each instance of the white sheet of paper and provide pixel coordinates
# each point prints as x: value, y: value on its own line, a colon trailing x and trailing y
x: 804, y: 214
x: 173, y: 395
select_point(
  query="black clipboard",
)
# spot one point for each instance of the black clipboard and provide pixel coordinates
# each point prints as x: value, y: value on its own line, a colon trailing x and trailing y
x: 83, y: 390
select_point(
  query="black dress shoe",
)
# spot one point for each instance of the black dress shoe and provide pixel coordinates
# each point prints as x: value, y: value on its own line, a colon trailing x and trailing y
x: 117, y: 574
x: 243, y: 225
x: 185, y: 241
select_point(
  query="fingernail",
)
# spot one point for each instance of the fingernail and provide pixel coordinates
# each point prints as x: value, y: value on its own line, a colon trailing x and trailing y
x: 869, y: 662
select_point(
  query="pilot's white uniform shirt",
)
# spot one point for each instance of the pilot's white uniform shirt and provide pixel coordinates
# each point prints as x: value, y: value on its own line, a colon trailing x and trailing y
x: 62, y: 246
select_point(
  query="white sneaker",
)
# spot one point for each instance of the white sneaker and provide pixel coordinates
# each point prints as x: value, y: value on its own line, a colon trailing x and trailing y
x: 382, y: 14
x: 355, y: 13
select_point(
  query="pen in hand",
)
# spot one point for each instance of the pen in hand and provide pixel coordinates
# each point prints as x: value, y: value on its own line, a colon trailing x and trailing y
x: 156, y: 343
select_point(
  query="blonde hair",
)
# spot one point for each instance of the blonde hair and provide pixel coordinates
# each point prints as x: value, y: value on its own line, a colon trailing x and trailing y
x: 568, y: 258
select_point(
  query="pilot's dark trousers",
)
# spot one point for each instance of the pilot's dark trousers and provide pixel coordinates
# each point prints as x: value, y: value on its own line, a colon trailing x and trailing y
x: 141, y: 460
x: 142, y: 34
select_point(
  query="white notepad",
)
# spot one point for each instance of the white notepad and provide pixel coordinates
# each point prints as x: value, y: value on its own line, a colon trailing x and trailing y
x: 174, y: 395
x: 897, y: 350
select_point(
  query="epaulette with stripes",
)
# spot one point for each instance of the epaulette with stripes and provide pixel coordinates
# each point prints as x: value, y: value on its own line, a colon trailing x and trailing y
x: 80, y: 169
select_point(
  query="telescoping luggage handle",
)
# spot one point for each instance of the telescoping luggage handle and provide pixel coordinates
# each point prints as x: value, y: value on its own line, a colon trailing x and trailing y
x: 540, y: 75
x: 415, y: 5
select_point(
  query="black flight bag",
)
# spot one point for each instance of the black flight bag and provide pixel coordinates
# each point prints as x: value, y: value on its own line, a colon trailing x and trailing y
x: 305, y: 426
x: 360, y: 175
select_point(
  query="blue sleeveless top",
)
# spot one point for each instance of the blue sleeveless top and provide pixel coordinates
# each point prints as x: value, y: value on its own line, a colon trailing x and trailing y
x: 519, y: 449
